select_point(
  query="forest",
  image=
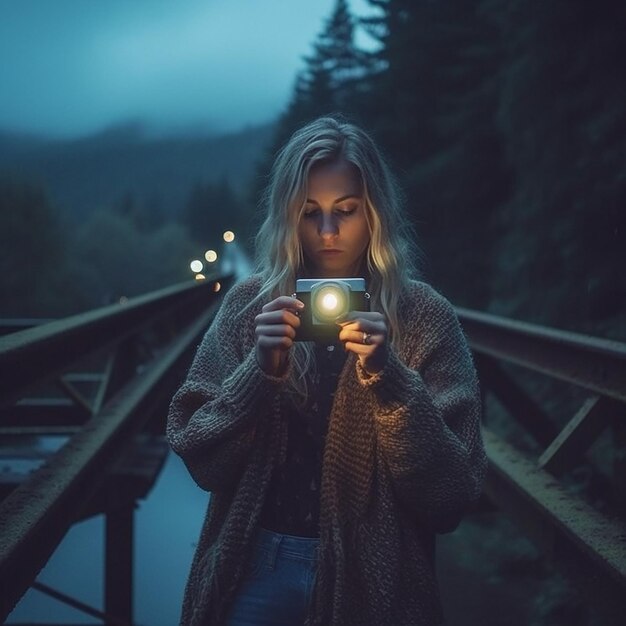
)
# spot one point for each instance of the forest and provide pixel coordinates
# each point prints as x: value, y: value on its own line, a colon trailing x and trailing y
x: 503, y: 121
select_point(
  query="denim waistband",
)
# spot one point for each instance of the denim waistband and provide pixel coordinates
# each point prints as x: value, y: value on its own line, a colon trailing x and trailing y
x: 279, y: 544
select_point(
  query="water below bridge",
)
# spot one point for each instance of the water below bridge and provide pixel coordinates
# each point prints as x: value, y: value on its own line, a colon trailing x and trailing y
x: 486, y: 579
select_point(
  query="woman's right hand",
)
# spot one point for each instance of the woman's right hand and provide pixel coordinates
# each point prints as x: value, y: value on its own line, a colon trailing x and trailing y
x: 275, y: 329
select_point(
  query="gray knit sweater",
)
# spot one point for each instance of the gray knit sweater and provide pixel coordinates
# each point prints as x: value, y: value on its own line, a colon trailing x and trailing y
x: 403, y: 459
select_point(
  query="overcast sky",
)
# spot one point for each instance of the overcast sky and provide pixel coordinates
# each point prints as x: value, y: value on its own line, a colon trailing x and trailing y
x: 71, y: 67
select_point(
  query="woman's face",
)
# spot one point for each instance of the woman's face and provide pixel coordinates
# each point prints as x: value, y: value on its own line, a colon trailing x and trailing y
x: 333, y: 229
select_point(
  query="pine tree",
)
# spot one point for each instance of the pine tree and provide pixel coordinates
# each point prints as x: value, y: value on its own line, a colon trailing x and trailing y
x: 562, y: 115
x: 34, y: 259
x: 432, y: 106
x: 330, y: 73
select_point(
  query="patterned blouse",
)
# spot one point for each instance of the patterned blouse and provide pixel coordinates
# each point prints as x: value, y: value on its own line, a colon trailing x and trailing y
x: 292, y: 506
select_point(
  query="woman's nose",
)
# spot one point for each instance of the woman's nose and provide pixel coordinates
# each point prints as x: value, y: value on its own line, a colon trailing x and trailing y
x: 328, y: 226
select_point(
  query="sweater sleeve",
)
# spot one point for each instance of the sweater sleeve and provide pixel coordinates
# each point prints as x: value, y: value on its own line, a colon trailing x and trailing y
x: 213, y: 416
x: 428, y: 418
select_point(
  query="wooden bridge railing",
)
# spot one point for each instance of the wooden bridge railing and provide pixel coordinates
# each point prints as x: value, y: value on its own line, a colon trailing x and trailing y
x: 146, y: 343
x: 588, y: 545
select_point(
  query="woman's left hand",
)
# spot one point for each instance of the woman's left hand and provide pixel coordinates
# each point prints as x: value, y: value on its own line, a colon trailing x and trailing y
x: 365, y: 334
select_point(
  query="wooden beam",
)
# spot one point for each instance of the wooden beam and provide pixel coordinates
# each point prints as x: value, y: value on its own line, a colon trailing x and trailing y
x: 77, y: 398
x: 38, y: 431
x: 619, y: 463
x: 515, y: 400
x: 103, y: 387
x: 35, y: 516
x: 78, y: 605
x: 578, y: 435
x: 589, y: 362
x: 43, y: 412
x: 41, y: 353
x: 118, y: 575
x: 588, y: 547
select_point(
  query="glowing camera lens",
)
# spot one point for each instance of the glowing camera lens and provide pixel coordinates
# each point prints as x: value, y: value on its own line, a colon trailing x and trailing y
x: 326, y: 300
x: 329, y: 300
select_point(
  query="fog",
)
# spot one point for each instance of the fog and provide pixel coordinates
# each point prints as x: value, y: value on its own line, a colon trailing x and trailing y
x: 71, y: 68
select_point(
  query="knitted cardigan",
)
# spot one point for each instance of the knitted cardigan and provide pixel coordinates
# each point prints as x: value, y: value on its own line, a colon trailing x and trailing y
x: 403, y: 459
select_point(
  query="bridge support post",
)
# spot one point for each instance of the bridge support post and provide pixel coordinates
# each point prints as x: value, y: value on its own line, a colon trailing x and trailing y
x: 619, y: 461
x: 118, y: 595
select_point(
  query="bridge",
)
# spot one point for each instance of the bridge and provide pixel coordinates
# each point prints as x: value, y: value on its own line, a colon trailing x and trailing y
x: 99, y: 383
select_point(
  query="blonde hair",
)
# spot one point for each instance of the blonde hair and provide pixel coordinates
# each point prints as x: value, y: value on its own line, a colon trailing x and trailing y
x: 391, y: 252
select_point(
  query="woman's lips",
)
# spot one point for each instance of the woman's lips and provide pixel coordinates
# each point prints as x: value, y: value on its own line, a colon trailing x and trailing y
x: 329, y: 252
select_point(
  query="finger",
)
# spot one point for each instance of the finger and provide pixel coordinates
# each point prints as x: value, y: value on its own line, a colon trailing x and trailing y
x: 275, y: 330
x: 283, y: 302
x: 356, y: 336
x: 282, y: 316
x: 358, y: 327
x: 359, y: 348
x: 373, y: 316
x: 274, y: 343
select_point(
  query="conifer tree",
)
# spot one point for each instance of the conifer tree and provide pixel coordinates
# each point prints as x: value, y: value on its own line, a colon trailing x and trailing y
x: 325, y: 84
x: 432, y: 106
x: 562, y: 99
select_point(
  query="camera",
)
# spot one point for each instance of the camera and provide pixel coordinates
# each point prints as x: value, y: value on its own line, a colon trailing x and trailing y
x: 325, y: 301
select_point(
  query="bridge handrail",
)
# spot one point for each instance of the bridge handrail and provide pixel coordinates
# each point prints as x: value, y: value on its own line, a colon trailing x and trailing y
x: 589, y: 545
x: 36, y: 515
x: 36, y: 354
x: 515, y: 483
x: 592, y: 363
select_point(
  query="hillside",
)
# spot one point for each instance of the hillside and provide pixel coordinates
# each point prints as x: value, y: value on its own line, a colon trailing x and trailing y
x: 104, y: 169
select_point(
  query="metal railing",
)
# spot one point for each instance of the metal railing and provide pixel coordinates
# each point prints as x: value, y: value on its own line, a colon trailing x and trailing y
x: 588, y: 545
x: 146, y: 343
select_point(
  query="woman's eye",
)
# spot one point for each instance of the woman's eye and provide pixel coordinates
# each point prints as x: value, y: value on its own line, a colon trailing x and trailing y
x: 347, y: 210
x: 341, y: 211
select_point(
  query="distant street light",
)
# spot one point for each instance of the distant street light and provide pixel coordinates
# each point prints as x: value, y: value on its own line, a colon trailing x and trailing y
x: 229, y: 236
x: 196, y: 266
x: 210, y: 256
x: 200, y: 277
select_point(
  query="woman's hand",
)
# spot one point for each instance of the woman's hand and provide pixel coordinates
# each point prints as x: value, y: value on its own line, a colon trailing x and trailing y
x: 275, y: 329
x: 365, y: 334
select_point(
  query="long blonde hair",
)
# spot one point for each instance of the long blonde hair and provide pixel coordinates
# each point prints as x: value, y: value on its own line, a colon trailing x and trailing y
x: 391, y: 253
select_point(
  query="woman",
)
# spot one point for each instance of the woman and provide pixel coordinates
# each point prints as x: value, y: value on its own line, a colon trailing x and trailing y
x: 331, y: 466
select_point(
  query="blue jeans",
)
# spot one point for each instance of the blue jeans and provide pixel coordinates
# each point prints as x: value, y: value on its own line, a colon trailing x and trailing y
x: 276, y: 590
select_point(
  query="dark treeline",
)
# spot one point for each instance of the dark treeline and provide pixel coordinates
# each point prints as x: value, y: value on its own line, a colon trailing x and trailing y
x: 52, y: 266
x: 85, y: 222
x: 505, y: 121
